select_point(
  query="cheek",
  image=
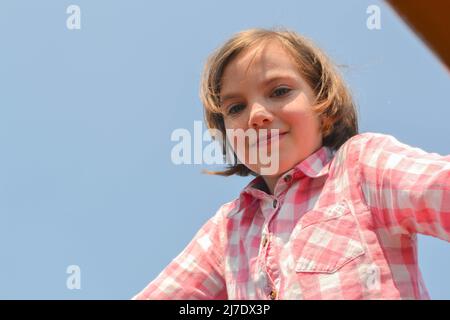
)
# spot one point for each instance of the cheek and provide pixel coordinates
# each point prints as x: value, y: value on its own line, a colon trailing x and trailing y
x: 229, y: 128
x: 237, y: 127
x: 312, y: 123
x: 305, y: 126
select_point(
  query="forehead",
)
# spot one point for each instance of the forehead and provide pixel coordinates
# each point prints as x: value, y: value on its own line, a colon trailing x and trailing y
x: 259, y: 61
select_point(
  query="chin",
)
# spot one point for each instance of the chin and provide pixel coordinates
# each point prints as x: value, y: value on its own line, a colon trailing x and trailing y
x: 274, y: 172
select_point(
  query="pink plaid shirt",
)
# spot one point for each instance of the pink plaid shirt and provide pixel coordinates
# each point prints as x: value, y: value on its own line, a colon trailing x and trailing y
x: 340, y: 225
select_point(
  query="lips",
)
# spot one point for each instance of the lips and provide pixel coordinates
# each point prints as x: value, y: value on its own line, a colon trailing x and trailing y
x: 266, y: 140
x: 269, y: 137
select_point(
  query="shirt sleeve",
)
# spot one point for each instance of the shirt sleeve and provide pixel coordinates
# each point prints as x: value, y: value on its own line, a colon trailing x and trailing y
x: 196, y: 273
x: 406, y: 188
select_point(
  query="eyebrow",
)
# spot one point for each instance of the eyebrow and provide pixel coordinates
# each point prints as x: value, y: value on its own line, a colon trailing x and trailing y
x: 264, y: 83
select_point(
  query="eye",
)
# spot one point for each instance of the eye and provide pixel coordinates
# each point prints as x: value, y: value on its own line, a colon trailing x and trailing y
x: 278, y: 92
x: 235, y: 109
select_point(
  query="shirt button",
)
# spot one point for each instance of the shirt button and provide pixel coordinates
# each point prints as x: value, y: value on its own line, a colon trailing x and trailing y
x: 264, y: 242
x: 273, y: 295
x: 275, y: 202
x: 373, y: 278
x: 287, y: 178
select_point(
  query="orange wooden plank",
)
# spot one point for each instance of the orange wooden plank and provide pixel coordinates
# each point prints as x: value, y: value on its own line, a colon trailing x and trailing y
x: 430, y: 19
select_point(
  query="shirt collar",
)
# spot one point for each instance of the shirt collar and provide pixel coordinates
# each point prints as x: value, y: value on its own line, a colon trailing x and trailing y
x: 315, y: 166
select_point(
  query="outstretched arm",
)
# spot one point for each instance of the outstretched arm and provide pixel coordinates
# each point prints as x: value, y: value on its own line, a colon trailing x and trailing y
x: 196, y: 273
x: 406, y: 188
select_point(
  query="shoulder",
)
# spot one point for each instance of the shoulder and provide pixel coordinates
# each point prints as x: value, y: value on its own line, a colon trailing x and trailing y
x: 225, y: 211
x: 362, y: 139
x: 368, y: 143
x: 376, y: 150
x: 366, y: 148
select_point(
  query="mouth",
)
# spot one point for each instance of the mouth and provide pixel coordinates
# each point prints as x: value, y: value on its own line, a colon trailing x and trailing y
x: 268, y: 139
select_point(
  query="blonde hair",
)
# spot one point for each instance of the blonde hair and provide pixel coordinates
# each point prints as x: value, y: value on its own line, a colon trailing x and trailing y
x: 334, y: 104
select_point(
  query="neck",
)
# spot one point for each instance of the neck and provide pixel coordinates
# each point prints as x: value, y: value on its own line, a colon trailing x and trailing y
x: 270, y: 181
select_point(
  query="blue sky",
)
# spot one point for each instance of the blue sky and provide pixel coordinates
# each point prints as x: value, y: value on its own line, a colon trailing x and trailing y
x: 86, y: 116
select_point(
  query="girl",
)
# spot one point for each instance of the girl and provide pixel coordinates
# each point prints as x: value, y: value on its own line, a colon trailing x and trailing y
x: 337, y: 219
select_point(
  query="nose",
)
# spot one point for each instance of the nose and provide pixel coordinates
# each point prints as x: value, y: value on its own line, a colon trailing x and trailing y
x: 259, y: 116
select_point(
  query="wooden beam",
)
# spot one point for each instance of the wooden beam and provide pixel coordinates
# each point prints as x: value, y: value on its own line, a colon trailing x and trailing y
x: 430, y: 20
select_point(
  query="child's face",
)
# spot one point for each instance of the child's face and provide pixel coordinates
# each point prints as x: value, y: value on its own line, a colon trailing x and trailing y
x: 262, y: 89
